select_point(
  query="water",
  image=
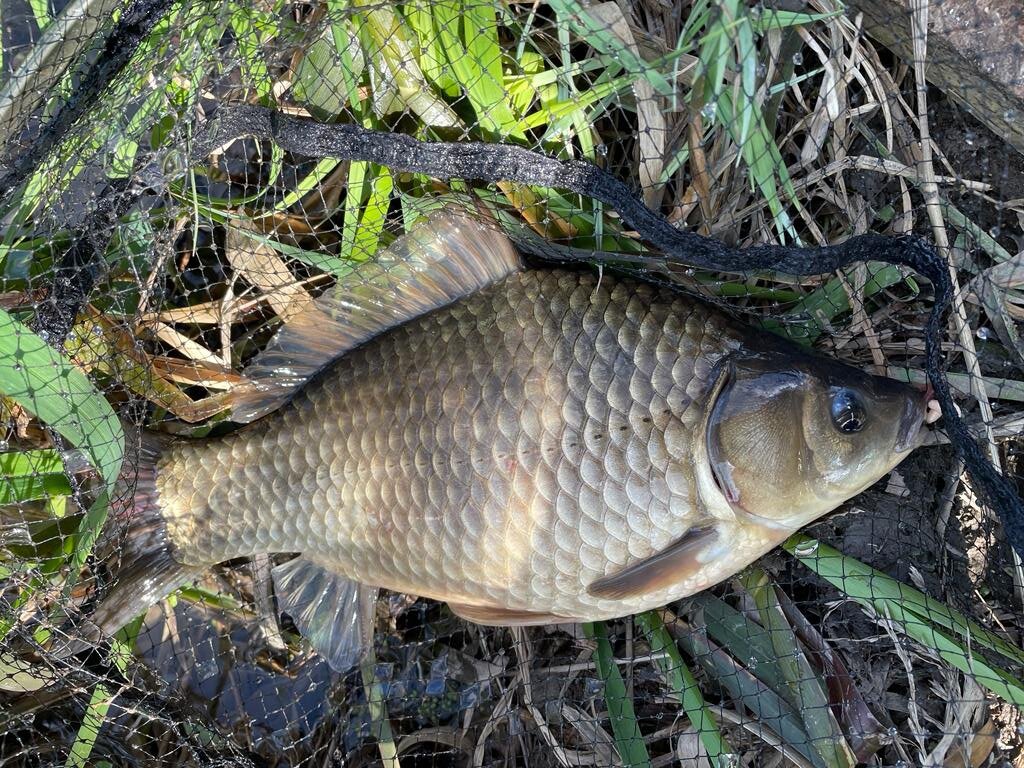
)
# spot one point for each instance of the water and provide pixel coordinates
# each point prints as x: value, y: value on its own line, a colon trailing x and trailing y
x: 806, y: 548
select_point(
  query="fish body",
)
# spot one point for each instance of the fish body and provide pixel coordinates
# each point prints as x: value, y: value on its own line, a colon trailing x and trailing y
x: 508, y: 450
x: 530, y: 446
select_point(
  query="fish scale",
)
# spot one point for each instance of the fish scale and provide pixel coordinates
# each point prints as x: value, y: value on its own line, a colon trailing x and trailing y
x: 508, y: 449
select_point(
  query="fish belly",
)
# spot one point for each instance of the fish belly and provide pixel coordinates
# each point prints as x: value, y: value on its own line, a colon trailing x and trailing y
x: 506, y: 450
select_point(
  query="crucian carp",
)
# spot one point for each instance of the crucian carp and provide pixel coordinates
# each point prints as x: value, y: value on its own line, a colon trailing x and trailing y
x: 530, y: 446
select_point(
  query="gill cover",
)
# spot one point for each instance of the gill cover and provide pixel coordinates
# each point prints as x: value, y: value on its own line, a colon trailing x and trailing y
x: 752, y: 443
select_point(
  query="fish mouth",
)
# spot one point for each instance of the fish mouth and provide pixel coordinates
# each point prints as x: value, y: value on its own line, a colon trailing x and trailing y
x: 918, y: 412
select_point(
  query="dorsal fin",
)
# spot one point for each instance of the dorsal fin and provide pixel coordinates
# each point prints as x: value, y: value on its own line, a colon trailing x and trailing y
x: 441, y: 260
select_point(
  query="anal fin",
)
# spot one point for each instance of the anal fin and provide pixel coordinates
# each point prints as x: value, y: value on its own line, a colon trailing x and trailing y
x: 493, y: 616
x: 333, y: 613
x: 662, y: 569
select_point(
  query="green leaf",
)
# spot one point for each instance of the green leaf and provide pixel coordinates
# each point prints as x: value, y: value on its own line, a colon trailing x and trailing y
x: 41, y: 13
x: 746, y: 640
x: 467, y: 34
x: 318, y: 259
x: 327, y: 78
x: 349, y: 52
x: 95, y: 714
x: 807, y: 690
x: 943, y: 629
x: 762, y: 157
x: 321, y: 260
x: 747, y: 82
x: 364, y: 222
x: 34, y: 375
x: 395, y: 77
x: 433, y: 61
x: 39, y: 379
x: 250, y: 51
x: 600, y: 37
x: 380, y: 722
x: 305, y: 185
x: 767, y: 706
x: 683, y: 684
x: 716, y: 52
x: 30, y: 475
x: 770, y: 18
x: 628, y: 739
x: 566, y: 110
x: 817, y: 309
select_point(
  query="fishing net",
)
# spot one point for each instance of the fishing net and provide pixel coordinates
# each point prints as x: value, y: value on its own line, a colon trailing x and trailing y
x: 181, y: 178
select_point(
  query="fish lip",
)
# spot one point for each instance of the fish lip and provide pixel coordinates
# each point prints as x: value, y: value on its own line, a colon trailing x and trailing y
x: 912, y: 422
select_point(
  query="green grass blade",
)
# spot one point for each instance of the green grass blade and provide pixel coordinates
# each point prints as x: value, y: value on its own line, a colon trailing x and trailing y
x: 770, y: 18
x: 746, y: 640
x: 433, y: 61
x: 764, y: 161
x: 378, y: 713
x: 716, y: 51
x: 318, y: 259
x: 398, y: 83
x: 306, y: 184
x: 349, y: 53
x: 487, y: 91
x: 628, y: 739
x: 28, y: 475
x: 39, y: 379
x: 250, y: 51
x: 747, y: 90
x: 922, y: 616
x: 120, y: 654
x: 830, y: 300
x: 604, y: 40
x: 1001, y: 683
x: 328, y: 77
x: 467, y: 35
x: 95, y: 714
x: 807, y: 689
x: 374, y: 213
x: 767, y: 706
x: 683, y: 684
x: 321, y: 260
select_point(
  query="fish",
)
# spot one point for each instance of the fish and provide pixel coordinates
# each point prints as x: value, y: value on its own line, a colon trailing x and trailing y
x: 528, y: 445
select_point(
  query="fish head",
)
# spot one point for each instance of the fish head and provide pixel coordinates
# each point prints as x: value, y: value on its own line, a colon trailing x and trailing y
x: 791, y: 436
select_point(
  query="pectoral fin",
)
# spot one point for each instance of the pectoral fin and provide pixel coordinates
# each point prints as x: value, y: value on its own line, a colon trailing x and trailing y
x: 662, y: 569
x: 334, y: 613
x: 503, y: 617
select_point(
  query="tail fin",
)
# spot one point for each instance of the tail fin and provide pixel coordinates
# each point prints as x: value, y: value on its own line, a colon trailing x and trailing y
x: 145, y: 569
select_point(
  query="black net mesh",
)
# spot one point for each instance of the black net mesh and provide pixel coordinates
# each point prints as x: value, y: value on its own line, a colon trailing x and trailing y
x: 182, y: 179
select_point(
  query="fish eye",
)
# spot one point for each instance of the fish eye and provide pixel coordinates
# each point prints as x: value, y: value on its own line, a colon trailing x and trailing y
x: 848, y: 412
